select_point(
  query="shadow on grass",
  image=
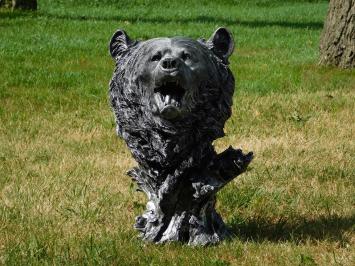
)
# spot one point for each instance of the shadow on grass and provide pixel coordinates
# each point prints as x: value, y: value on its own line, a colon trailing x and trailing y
x: 197, y: 19
x: 322, y: 228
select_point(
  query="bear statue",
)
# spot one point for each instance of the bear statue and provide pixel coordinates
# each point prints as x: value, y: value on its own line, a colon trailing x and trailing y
x: 171, y: 98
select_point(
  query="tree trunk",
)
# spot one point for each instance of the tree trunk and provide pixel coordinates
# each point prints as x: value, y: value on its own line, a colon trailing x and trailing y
x: 182, y: 208
x: 337, y: 44
x: 24, y: 4
x: 5, y: 3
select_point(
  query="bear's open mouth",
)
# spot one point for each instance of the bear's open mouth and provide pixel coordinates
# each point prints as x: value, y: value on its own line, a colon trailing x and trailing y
x: 169, y: 93
x: 168, y: 98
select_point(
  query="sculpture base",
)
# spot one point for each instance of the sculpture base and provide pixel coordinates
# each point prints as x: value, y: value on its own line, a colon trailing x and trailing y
x: 182, y: 208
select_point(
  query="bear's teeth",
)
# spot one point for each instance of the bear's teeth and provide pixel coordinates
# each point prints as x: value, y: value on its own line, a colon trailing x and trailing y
x: 167, y: 99
x: 158, y: 99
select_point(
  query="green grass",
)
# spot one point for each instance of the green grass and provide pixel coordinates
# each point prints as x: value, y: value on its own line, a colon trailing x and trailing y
x: 64, y: 195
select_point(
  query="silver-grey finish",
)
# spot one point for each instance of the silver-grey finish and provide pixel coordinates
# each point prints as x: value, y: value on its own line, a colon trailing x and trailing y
x: 171, y: 98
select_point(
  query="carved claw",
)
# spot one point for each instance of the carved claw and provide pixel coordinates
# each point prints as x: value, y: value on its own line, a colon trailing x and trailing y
x: 232, y: 163
x: 226, y: 166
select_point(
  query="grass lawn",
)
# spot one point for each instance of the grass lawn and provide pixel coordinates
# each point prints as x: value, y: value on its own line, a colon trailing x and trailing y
x: 64, y: 195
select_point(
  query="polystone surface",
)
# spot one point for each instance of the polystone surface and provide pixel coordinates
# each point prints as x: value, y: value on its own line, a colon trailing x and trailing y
x: 171, y: 98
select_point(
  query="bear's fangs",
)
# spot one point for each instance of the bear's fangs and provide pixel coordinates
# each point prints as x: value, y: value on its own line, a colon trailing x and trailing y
x: 169, y: 94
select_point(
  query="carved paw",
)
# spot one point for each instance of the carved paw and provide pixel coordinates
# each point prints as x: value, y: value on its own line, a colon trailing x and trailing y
x: 232, y: 163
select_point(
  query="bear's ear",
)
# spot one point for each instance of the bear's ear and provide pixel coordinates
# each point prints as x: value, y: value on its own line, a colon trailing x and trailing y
x: 221, y: 43
x: 119, y: 43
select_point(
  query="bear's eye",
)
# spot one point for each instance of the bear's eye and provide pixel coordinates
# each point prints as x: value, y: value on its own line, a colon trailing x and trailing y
x: 156, y: 57
x: 185, y: 56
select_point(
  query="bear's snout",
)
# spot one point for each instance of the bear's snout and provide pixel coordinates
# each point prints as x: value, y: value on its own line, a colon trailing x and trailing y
x: 170, y: 64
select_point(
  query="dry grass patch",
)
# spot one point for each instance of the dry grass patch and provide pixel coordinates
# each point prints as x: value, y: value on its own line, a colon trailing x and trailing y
x: 64, y: 183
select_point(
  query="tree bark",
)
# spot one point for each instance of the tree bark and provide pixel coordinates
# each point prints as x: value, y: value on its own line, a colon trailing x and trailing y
x: 337, y: 44
x: 24, y: 4
x: 5, y: 3
x: 182, y: 208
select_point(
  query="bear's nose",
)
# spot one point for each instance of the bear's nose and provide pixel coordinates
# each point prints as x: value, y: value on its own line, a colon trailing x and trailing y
x: 169, y: 63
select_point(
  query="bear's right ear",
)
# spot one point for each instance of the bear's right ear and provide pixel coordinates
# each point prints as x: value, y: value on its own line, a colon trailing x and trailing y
x: 119, y: 43
x: 221, y: 43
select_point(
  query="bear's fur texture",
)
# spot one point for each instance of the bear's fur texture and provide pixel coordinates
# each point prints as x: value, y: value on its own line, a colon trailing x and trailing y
x: 171, y: 98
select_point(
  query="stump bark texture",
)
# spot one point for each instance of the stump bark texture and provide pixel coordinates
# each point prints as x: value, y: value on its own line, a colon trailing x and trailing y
x: 182, y: 207
x: 337, y: 44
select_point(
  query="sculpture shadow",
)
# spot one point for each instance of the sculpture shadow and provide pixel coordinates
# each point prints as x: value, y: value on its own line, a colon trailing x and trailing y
x: 322, y: 228
x: 198, y: 19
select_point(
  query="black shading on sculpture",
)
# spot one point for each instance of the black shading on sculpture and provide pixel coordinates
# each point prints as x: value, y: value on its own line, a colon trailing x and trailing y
x: 171, y: 98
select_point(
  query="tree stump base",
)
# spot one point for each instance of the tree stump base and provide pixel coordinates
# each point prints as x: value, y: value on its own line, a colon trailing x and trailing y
x: 182, y: 208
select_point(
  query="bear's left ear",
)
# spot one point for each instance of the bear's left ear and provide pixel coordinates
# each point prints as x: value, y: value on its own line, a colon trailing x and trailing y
x: 119, y: 43
x: 221, y: 43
